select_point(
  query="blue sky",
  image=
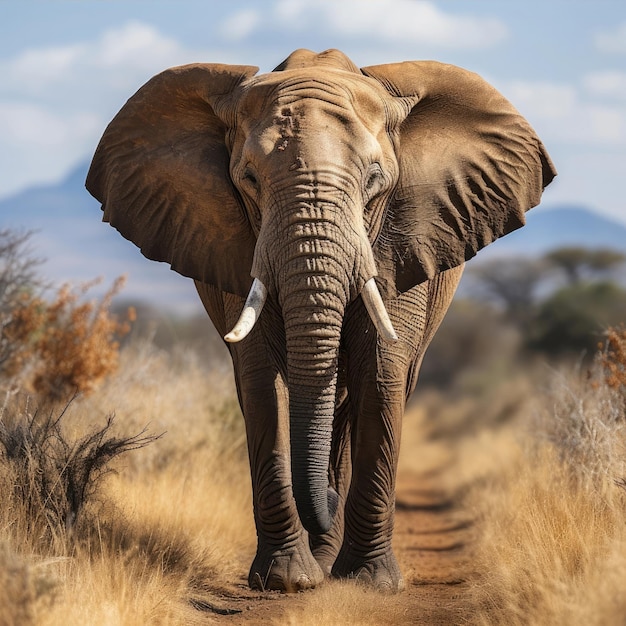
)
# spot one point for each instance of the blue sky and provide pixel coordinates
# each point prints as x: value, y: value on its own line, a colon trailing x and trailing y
x: 67, y: 67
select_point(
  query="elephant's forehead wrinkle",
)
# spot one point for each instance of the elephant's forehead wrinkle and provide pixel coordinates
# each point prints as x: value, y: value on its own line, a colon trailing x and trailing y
x: 354, y: 90
x: 316, y: 111
x: 324, y: 87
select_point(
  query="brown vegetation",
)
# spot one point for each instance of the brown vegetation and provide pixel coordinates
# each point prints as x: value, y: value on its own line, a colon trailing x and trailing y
x: 511, y: 489
x: 613, y: 358
x: 62, y: 347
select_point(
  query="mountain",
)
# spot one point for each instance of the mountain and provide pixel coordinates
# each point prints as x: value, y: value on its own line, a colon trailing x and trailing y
x: 554, y: 227
x: 68, y: 234
x: 77, y: 247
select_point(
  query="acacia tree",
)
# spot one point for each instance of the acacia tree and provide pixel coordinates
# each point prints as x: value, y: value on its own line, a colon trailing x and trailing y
x: 577, y: 263
x: 513, y: 285
x: 554, y: 318
x: 574, y: 319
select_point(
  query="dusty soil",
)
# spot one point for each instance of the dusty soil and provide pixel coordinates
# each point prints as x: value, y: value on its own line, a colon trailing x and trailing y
x: 434, y: 541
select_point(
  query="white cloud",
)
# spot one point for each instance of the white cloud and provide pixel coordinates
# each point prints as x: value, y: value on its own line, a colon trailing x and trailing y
x: 389, y: 21
x: 37, y: 126
x: 612, y: 41
x: 56, y: 101
x: 240, y: 25
x: 133, y: 51
x: 609, y: 84
x: 562, y: 112
x: 44, y: 65
x: 136, y: 44
x: 542, y: 100
x: 39, y: 145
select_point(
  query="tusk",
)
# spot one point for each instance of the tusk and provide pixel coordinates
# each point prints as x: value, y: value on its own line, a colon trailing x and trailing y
x: 250, y: 314
x: 376, y: 308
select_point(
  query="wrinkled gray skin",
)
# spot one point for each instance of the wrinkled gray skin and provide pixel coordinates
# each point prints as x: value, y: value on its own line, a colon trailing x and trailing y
x: 314, y: 179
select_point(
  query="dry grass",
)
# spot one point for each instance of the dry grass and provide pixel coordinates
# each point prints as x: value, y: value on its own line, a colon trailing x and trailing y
x: 167, y: 528
x: 339, y: 603
x: 172, y: 527
x: 551, y: 551
x: 553, y: 548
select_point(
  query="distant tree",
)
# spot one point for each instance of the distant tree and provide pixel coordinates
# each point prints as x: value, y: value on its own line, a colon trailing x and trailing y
x: 512, y: 284
x: 18, y: 268
x: 573, y: 319
x: 473, y: 337
x: 553, y: 320
x: 18, y: 279
x: 577, y: 262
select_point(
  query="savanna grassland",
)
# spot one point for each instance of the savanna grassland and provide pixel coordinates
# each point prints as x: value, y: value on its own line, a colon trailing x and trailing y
x: 126, y: 498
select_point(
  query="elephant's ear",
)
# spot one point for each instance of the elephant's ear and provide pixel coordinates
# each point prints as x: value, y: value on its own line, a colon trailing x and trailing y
x: 161, y: 172
x: 470, y: 167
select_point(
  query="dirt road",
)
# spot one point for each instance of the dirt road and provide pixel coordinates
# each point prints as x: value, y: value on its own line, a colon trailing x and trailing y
x: 434, y: 542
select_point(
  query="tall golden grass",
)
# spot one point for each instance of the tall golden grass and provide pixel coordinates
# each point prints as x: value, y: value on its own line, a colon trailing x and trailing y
x: 164, y: 537
x: 168, y: 528
x: 553, y: 544
x: 155, y: 529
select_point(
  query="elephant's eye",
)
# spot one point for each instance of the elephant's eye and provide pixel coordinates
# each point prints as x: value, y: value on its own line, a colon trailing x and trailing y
x: 374, y: 181
x: 250, y: 178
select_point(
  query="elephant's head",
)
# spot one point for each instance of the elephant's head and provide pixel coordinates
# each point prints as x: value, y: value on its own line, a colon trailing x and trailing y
x: 315, y: 179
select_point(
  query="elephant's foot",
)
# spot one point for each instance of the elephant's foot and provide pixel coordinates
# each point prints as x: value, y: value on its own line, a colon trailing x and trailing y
x: 325, y: 556
x: 381, y: 572
x: 289, y: 569
x: 325, y: 549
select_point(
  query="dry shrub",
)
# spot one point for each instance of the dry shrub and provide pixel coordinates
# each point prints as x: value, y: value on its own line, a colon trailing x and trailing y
x: 613, y: 358
x: 64, y: 347
x: 170, y: 529
x: 56, y: 350
x: 152, y: 544
x: 553, y: 549
x: 55, y: 474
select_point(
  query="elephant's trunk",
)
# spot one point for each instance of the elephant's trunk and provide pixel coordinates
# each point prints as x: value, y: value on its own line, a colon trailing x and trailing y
x: 315, y: 261
x: 321, y: 265
x: 311, y: 411
x: 315, y: 286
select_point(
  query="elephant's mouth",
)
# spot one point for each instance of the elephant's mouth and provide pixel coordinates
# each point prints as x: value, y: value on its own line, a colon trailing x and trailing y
x: 258, y: 294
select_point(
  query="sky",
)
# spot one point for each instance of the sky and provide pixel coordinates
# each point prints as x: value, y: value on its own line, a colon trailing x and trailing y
x: 66, y: 67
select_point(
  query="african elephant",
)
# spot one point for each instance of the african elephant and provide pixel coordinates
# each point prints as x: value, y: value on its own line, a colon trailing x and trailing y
x: 325, y: 213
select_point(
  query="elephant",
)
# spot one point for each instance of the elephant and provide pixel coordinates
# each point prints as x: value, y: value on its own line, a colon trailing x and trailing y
x: 325, y: 213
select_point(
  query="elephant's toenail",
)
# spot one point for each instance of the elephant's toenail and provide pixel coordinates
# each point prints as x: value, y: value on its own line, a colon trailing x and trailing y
x: 303, y: 582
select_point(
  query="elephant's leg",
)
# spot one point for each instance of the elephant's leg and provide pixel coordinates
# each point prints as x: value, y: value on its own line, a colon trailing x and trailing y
x: 366, y: 553
x: 283, y: 560
x: 380, y: 378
